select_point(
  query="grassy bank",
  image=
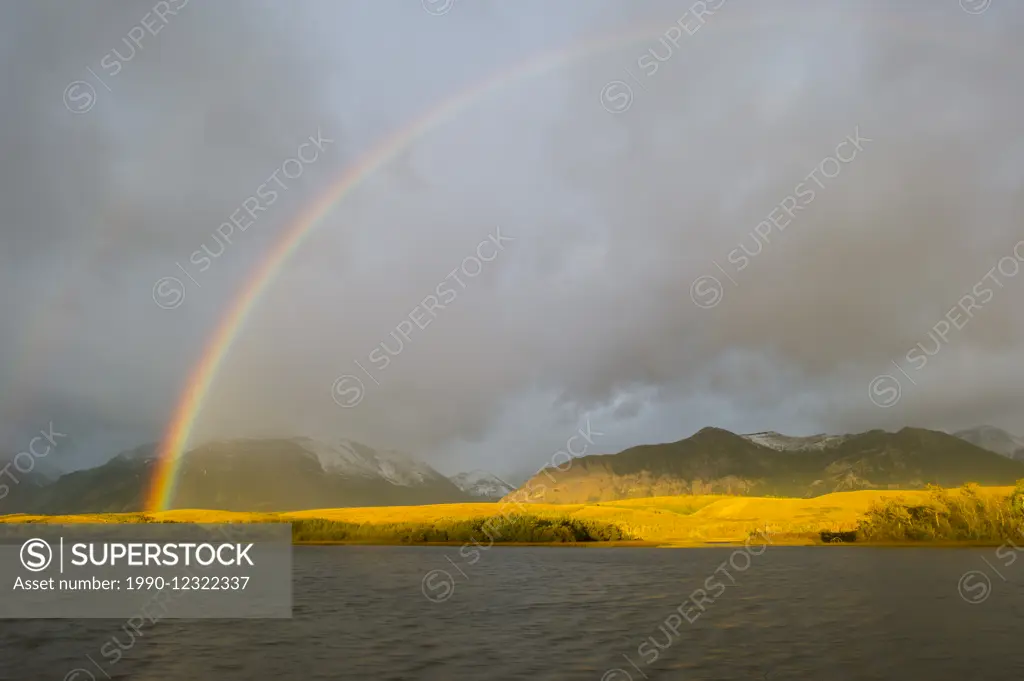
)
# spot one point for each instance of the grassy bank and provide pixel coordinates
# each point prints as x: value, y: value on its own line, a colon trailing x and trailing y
x: 506, y: 528
x: 972, y: 515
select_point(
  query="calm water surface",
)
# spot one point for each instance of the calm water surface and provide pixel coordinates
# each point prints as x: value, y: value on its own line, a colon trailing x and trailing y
x: 830, y: 613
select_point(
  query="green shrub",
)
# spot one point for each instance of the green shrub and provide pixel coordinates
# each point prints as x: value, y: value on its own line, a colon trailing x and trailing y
x: 495, y: 529
x: 961, y: 516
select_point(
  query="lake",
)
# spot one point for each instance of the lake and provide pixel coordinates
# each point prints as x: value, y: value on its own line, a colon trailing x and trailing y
x: 611, y: 614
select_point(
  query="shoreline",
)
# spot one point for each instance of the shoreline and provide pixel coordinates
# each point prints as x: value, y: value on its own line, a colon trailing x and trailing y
x: 687, y: 521
x: 680, y: 544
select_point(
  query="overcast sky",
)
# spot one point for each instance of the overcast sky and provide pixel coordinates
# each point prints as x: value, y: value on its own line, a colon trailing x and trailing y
x: 620, y: 178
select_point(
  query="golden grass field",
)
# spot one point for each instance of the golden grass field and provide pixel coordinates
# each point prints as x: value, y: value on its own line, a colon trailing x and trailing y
x: 677, y: 520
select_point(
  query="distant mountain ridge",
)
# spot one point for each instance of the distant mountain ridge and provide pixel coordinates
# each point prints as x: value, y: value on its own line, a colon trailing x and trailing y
x: 482, y: 485
x: 994, y: 440
x: 22, y: 479
x: 716, y: 461
x: 28, y: 466
x: 252, y: 475
x: 790, y: 443
x: 303, y: 473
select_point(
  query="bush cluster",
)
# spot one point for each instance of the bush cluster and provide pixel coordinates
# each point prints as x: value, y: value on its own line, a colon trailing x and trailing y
x: 964, y: 515
x: 496, y: 529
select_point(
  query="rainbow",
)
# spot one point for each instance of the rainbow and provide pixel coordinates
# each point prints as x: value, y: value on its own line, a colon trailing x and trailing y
x: 190, y: 404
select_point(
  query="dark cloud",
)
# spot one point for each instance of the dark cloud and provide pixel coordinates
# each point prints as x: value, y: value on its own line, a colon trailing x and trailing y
x: 611, y: 216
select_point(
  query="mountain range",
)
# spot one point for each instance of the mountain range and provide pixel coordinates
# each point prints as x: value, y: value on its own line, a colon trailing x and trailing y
x: 716, y: 461
x: 251, y: 475
x: 302, y: 473
x: 22, y: 478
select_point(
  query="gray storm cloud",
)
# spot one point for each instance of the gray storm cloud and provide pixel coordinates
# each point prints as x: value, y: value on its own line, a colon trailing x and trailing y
x: 494, y: 354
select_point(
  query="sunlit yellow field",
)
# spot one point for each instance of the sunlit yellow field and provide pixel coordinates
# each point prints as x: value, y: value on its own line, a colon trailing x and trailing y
x: 665, y: 520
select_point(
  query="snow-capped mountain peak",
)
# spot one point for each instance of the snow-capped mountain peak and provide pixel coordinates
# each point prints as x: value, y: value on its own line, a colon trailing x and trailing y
x: 482, y: 484
x: 791, y: 443
x: 352, y: 459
